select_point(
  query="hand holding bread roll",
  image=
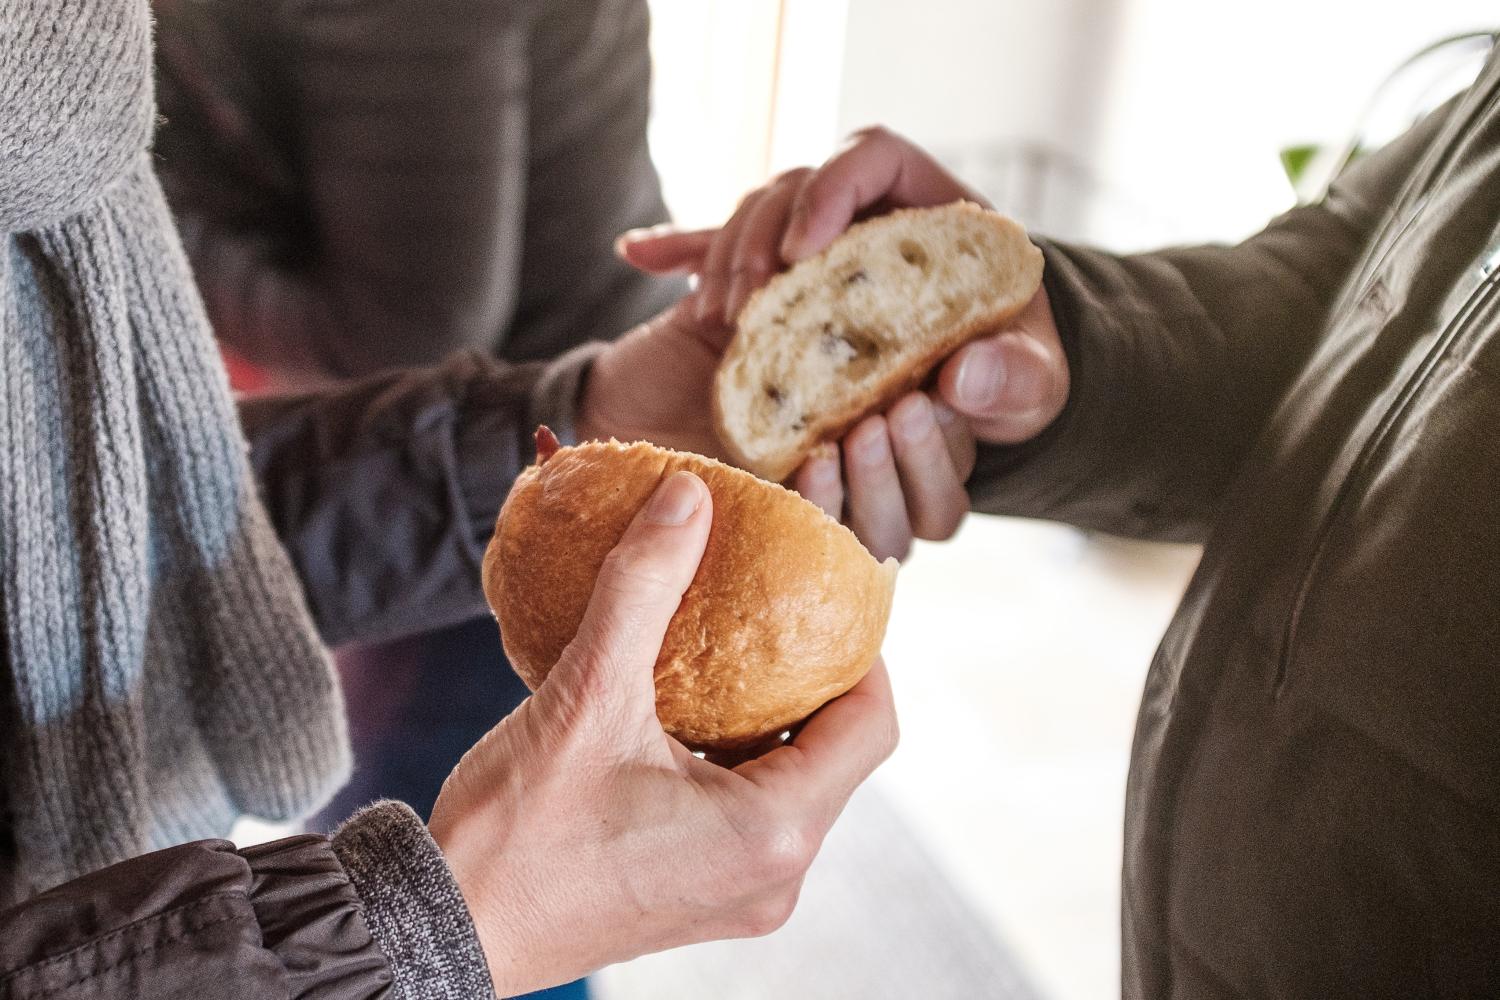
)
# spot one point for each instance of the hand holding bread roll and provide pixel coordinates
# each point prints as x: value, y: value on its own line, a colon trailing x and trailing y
x: 786, y: 612
x: 580, y: 834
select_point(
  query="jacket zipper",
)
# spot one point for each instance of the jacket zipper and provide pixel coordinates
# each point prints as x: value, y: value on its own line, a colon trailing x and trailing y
x: 1431, y: 171
x: 1476, y: 301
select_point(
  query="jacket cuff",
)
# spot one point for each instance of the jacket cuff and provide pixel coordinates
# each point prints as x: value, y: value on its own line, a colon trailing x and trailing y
x: 412, y: 905
x: 555, y: 399
x: 497, y: 427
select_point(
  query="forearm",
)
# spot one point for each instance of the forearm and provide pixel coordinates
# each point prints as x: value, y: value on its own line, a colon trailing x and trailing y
x: 1175, y: 360
x: 1178, y: 358
x: 385, y: 491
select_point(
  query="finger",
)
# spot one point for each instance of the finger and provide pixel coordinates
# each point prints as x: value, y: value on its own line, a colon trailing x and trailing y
x: 835, y: 751
x: 877, y: 508
x: 956, y: 435
x: 715, y: 277
x: 664, y: 249
x: 757, y: 254
x: 1009, y: 386
x: 820, y: 480
x: 935, y: 499
x: 637, y: 592
x: 876, y: 166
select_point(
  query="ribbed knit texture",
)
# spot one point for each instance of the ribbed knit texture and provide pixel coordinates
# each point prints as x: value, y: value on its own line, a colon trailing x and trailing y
x: 165, y: 673
x: 412, y: 905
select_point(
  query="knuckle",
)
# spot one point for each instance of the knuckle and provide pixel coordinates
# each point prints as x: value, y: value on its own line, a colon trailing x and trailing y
x: 781, y: 852
x: 889, y: 735
x: 939, y: 525
x: 748, y: 203
x: 770, y: 914
x: 560, y: 721
x: 794, y: 177
x: 575, y: 683
x: 631, y: 574
x: 873, y: 134
x: 576, y: 705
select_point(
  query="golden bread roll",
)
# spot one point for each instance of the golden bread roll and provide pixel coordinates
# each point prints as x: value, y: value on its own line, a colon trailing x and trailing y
x: 786, y: 612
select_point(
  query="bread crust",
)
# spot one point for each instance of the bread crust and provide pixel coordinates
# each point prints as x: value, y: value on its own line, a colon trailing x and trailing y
x: 835, y: 424
x: 786, y: 612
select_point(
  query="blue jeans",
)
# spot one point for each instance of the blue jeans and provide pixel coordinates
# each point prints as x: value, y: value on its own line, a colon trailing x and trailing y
x: 415, y: 705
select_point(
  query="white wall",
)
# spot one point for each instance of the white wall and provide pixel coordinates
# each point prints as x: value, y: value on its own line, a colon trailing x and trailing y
x: 948, y: 72
x: 1179, y: 106
x: 713, y: 91
x: 1204, y: 94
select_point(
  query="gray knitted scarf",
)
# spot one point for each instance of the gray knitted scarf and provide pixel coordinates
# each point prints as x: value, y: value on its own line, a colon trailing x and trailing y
x: 163, y: 675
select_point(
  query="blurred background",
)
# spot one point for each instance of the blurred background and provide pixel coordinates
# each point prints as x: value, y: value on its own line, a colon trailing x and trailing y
x: 984, y: 859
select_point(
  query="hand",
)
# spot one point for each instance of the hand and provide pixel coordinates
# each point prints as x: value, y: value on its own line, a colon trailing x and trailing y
x: 581, y: 834
x: 901, y: 474
x: 794, y: 216
x: 655, y: 384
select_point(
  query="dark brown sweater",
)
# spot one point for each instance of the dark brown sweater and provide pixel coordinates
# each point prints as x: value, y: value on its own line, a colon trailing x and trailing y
x: 365, y: 185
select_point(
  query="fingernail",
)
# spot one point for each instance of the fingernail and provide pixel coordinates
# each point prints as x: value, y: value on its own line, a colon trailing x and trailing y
x: 642, y: 233
x: 981, y: 378
x: 675, y: 499
x: 872, y: 448
x: 1027, y: 378
x: 910, y: 420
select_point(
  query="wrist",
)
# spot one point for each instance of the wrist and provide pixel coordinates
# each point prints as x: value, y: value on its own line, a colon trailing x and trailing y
x: 473, y: 865
x: 586, y: 426
x: 590, y: 422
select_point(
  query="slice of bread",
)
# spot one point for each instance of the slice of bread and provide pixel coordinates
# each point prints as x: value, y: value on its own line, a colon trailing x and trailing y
x: 850, y: 330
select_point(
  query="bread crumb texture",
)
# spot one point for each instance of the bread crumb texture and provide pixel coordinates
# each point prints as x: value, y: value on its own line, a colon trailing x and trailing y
x: 848, y: 330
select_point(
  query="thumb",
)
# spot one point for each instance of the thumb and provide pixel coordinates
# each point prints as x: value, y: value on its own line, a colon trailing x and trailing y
x: 1012, y: 384
x: 636, y: 594
x: 1009, y: 386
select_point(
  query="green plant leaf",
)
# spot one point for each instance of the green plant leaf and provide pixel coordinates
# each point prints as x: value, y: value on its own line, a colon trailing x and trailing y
x: 1294, y: 160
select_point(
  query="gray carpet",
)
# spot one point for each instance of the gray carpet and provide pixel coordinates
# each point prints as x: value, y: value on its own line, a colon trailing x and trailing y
x: 877, y: 921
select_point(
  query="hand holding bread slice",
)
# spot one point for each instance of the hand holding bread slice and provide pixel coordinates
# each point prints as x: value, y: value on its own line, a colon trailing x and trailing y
x: 849, y: 330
